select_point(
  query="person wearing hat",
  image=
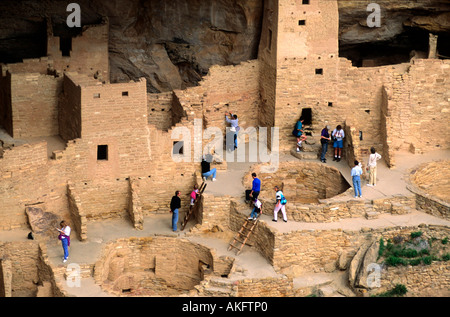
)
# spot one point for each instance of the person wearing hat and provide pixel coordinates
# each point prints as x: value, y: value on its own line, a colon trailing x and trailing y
x: 324, y: 139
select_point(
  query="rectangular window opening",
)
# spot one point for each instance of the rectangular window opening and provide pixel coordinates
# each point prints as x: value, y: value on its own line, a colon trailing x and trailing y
x: 301, y: 22
x: 124, y: 93
x: 305, y: 2
x: 102, y: 153
x: 178, y: 148
x: 319, y: 71
x: 65, y: 45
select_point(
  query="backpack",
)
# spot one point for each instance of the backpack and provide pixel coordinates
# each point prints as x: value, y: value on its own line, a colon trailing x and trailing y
x: 283, y: 200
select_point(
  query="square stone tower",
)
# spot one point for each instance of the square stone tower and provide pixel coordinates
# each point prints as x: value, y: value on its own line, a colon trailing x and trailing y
x: 299, y: 62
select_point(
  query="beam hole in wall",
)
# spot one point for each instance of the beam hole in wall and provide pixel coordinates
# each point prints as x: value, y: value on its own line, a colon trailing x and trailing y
x: 102, y: 152
x: 269, y: 45
x: 368, y: 111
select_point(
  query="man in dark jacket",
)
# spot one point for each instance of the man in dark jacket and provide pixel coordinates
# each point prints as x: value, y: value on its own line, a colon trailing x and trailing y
x: 175, y: 205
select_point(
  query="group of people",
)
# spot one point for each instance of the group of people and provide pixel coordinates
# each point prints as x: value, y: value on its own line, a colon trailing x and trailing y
x: 257, y: 209
x: 337, y: 137
x: 356, y: 172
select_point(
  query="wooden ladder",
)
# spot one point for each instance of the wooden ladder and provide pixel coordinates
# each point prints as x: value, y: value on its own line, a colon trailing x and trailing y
x: 196, y: 203
x: 243, y: 234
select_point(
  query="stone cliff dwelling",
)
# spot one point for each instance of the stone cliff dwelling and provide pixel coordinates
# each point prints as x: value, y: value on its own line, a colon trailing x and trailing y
x: 90, y: 118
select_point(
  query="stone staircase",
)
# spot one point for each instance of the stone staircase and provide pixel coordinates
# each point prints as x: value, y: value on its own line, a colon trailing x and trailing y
x: 310, y: 151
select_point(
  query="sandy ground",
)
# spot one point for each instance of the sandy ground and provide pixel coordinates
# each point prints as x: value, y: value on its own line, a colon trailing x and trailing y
x: 229, y: 182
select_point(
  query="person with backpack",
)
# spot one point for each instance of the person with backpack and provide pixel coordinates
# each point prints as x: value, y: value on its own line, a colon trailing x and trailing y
x: 280, y: 205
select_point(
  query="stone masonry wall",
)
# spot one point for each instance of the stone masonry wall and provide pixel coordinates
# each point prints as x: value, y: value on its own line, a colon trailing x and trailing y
x: 89, y: 54
x: 34, y: 100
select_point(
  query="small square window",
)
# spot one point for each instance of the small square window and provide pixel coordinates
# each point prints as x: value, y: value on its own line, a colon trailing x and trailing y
x: 102, y: 153
x: 301, y: 22
x: 330, y: 104
x: 178, y: 148
x: 305, y: 1
x: 124, y: 93
x: 319, y: 71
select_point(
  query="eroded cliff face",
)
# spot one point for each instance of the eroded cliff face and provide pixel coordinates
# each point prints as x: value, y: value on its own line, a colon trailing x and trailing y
x: 174, y: 43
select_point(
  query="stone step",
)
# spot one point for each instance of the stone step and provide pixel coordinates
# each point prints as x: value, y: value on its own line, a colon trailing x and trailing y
x: 218, y: 287
x: 304, y: 155
x: 372, y: 214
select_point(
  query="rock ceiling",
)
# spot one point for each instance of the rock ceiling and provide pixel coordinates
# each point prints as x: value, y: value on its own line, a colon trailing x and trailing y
x: 173, y: 43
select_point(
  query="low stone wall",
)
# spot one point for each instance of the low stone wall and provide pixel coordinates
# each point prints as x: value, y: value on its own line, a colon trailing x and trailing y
x: 266, y: 287
x: 330, y: 210
x: 156, y: 265
x: 424, y: 280
x: 24, y: 270
x: 429, y: 183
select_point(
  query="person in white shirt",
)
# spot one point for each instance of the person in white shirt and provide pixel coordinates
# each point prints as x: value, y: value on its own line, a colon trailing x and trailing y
x: 338, y: 144
x: 356, y: 173
x: 256, y: 210
x: 64, y: 236
x: 280, y: 205
x: 372, y: 166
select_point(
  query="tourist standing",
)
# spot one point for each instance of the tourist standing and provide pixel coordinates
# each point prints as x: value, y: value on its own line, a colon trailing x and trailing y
x: 356, y: 173
x: 234, y: 123
x: 175, y: 205
x: 339, y: 136
x: 256, y: 187
x: 324, y: 139
x: 280, y: 205
x: 372, y: 166
x: 64, y: 236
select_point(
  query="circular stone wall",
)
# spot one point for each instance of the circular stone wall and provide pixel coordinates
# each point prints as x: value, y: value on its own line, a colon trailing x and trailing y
x: 301, y: 182
x: 153, y: 266
x: 432, y: 178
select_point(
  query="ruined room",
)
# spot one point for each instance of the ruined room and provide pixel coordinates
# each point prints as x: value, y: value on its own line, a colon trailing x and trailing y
x: 107, y: 109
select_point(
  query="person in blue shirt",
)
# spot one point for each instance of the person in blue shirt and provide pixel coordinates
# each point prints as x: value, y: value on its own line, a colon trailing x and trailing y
x: 256, y: 186
x: 356, y: 173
